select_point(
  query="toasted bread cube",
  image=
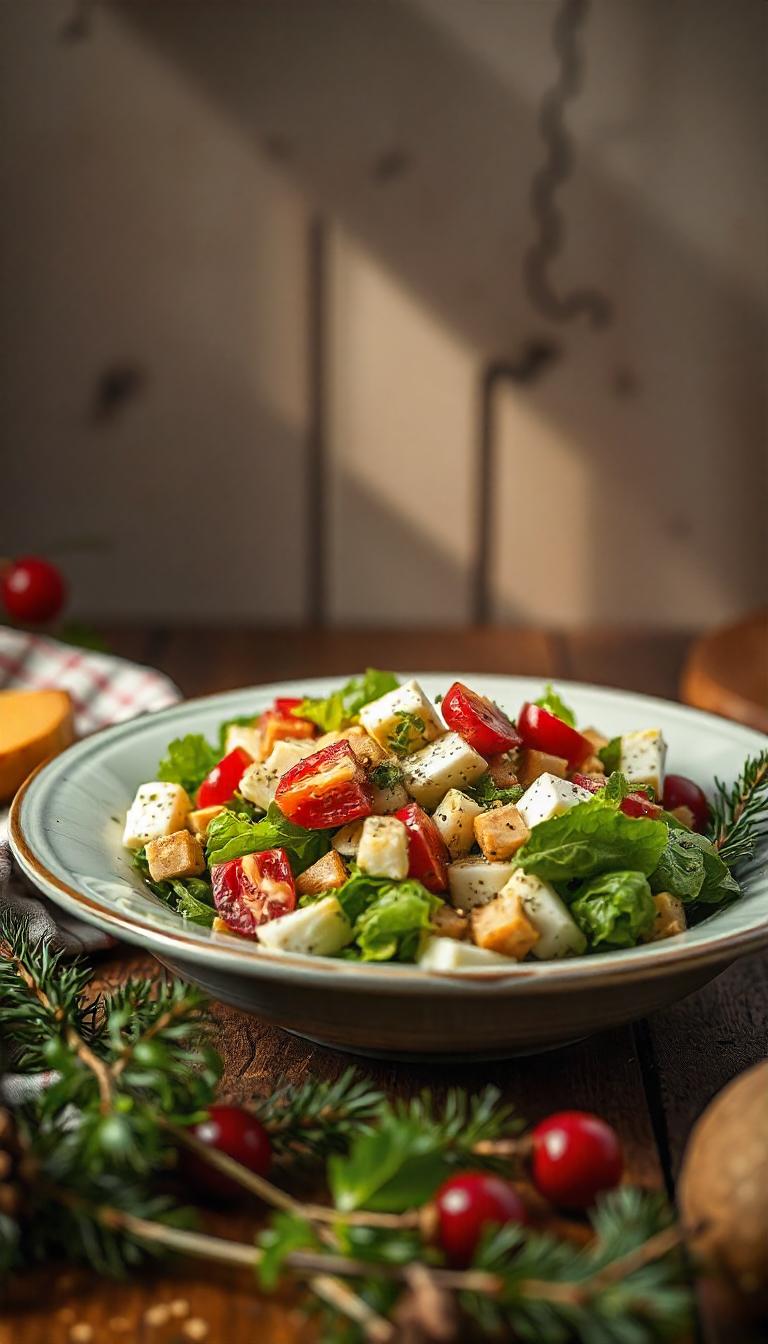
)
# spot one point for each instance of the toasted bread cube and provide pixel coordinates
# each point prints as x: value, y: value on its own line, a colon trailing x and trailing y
x: 405, y: 714
x: 325, y: 875
x: 367, y: 750
x: 177, y: 855
x: 503, y: 770
x: 474, y: 881
x: 200, y: 818
x: 500, y: 832
x: 596, y: 738
x: 347, y: 839
x: 449, y: 923
x: 159, y: 808
x: 593, y: 767
x: 503, y: 926
x: 454, y: 818
x: 532, y: 764
x: 683, y: 814
x: 383, y: 848
x: 248, y: 738
x: 670, y: 917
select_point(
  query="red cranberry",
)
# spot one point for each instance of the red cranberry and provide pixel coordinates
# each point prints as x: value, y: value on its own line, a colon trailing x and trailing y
x: 32, y: 590
x: 467, y: 1204
x: 575, y: 1156
x: 682, y: 792
x: 233, y: 1131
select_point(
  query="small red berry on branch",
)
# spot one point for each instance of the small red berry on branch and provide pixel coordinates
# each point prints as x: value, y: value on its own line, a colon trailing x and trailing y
x: 238, y: 1134
x: 32, y: 589
x: 575, y: 1156
x: 467, y: 1204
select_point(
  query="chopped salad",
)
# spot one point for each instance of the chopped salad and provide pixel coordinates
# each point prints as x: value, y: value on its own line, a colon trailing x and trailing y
x: 376, y: 825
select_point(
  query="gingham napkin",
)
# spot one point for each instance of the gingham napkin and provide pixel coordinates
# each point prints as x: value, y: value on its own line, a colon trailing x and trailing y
x: 103, y: 690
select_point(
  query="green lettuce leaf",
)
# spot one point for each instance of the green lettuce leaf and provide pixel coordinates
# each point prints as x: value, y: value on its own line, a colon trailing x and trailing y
x: 342, y: 707
x: 485, y: 792
x: 231, y: 836
x: 191, y: 897
x: 592, y: 838
x: 188, y: 761
x: 615, y: 909
x: 680, y: 870
x: 552, y: 702
x: 719, y: 883
x: 610, y: 755
x: 392, y: 927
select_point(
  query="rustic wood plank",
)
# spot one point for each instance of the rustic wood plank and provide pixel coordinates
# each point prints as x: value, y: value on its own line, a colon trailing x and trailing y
x: 650, y: 661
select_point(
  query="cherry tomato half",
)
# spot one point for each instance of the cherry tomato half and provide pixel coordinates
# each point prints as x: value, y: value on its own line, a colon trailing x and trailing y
x: 220, y: 783
x: 250, y: 891
x: 427, y: 854
x: 682, y: 792
x: 328, y: 788
x: 478, y: 720
x: 545, y: 732
x: 634, y: 805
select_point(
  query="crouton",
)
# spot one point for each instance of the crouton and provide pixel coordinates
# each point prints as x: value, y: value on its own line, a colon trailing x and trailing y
x: 177, y: 855
x: 596, y: 738
x: 684, y: 814
x: 593, y: 767
x: 503, y: 770
x: 448, y: 923
x: 366, y: 748
x: 500, y: 832
x: 503, y: 926
x: 324, y: 875
x: 532, y: 763
x: 200, y: 819
x: 670, y: 917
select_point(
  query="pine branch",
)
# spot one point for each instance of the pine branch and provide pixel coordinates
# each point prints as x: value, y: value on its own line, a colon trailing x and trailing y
x: 315, y: 1118
x: 739, y: 818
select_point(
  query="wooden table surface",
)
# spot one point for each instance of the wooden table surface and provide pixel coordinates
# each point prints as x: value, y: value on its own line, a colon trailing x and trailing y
x: 651, y: 1080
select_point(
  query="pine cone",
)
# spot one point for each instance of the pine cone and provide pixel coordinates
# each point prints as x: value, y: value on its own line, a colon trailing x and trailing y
x: 11, y: 1184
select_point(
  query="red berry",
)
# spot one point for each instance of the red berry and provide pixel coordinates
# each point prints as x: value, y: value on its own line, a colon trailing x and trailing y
x: 575, y: 1156
x: 33, y: 590
x: 467, y: 1204
x: 682, y: 792
x: 233, y: 1131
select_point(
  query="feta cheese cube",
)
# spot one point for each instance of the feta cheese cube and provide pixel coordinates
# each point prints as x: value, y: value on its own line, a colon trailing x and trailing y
x: 547, y: 797
x: 446, y: 954
x: 643, y: 756
x: 448, y: 763
x: 472, y: 882
x: 383, y: 848
x: 389, y: 797
x: 404, y: 715
x: 559, y: 934
x: 158, y: 809
x: 260, y: 781
x: 239, y: 735
x: 454, y: 818
x: 319, y: 929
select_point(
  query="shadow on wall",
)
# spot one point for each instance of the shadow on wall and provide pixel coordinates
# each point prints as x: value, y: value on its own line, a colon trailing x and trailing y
x: 410, y: 140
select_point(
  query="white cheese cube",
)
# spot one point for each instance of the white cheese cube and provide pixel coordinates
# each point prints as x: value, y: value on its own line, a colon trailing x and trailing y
x: 319, y: 929
x: 260, y: 781
x: 346, y: 841
x: 643, y: 756
x: 158, y: 809
x: 475, y: 882
x: 448, y: 763
x: 547, y: 797
x: 390, y: 798
x: 454, y: 818
x: 448, y: 954
x: 239, y: 735
x: 383, y: 848
x: 404, y: 715
x: 559, y: 935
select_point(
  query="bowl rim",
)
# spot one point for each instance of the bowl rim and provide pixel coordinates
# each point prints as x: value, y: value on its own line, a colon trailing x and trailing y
x: 226, y: 953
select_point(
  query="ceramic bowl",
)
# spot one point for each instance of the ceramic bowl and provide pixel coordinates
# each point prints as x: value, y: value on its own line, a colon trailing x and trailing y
x: 66, y: 826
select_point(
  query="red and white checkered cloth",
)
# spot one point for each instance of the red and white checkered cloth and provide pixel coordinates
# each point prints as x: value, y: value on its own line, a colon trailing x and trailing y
x: 103, y: 690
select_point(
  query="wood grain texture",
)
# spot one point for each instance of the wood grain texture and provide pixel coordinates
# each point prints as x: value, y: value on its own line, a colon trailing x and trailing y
x: 651, y: 1081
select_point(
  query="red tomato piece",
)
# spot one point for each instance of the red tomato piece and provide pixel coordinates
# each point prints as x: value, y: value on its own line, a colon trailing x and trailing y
x: 285, y: 704
x: 275, y: 726
x: 584, y: 782
x: 478, y: 720
x: 250, y: 891
x: 326, y: 789
x: 682, y: 792
x: 545, y: 732
x: 220, y: 784
x: 427, y: 854
x: 634, y: 805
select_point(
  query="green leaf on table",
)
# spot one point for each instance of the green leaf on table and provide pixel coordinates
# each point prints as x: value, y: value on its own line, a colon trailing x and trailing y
x: 553, y: 703
x: 187, y: 761
x: 231, y: 836
x: 615, y: 909
x: 341, y: 708
x: 591, y: 838
x: 394, y: 1167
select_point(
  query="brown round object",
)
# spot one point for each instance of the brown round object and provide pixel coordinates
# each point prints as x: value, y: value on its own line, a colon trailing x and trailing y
x: 723, y: 1188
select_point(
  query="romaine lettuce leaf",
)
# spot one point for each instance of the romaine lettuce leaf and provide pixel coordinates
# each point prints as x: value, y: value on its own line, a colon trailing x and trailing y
x: 591, y: 838
x: 191, y: 897
x: 610, y: 754
x: 552, y: 702
x: 680, y: 870
x: 392, y: 927
x: 614, y: 909
x: 231, y: 836
x: 342, y: 707
x: 188, y: 761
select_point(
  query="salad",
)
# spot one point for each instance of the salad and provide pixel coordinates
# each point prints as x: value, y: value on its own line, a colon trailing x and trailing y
x: 376, y: 825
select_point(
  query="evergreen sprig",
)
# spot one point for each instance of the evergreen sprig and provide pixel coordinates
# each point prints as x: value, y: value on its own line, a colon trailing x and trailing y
x: 739, y: 812
x: 308, y: 1120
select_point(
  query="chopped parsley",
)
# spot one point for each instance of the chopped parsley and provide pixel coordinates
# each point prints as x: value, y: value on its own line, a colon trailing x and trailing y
x: 386, y: 775
x: 409, y: 725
